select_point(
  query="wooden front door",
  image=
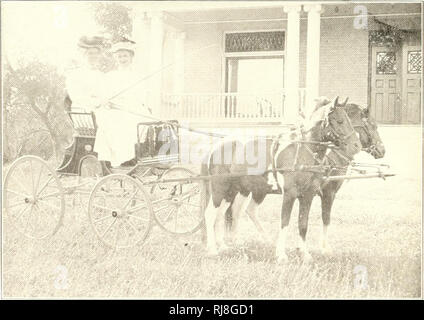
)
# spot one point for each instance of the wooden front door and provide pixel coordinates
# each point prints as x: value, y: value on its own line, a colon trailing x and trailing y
x: 411, y: 85
x: 385, y: 85
x: 396, y: 84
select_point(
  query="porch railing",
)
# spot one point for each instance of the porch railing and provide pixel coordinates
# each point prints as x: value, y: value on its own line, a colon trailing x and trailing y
x: 248, y: 107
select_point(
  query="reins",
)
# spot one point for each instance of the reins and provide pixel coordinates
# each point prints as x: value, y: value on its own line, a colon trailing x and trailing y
x: 320, y: 168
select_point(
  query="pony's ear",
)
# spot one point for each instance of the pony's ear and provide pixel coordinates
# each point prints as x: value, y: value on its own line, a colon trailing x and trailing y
x: 336, y: 102
x: 345, y: 102
x: 366, y: 112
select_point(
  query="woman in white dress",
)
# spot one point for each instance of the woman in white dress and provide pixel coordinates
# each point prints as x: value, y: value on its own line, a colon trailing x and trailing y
x: 117, y: 121
x: 85, y: 85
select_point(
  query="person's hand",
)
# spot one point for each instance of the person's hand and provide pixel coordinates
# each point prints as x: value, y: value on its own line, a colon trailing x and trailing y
x: 107, y: 105
x: 102, y: 104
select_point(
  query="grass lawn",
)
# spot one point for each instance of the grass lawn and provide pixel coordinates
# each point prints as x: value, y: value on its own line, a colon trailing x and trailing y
x: 375, y: 235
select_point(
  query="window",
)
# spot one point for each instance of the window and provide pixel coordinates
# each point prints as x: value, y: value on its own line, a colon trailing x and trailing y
x: 255, y: 74
x: 254, y: 41
x: 386, y: 63
x: 414, y: 62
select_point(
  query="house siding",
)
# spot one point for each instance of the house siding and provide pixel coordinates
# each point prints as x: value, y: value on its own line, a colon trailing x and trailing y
x: 344, y: 60
x: 343, y: 66
x: 344, y: 49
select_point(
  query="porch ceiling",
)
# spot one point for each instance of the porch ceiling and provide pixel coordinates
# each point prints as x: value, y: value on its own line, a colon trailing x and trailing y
x: 223, y: 11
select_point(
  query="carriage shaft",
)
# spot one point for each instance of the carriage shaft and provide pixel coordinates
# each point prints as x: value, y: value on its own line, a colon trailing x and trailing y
x: 312, y: 169
x: 360, y: 176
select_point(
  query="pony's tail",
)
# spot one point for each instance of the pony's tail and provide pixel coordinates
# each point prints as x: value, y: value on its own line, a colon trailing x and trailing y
x: 228, y: 218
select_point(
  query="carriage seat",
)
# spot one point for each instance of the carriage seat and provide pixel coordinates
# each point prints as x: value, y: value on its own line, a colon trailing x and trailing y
x: 84, y: 123
x: 85, y: 128
x: 147, y: 151
x: 161, y: 143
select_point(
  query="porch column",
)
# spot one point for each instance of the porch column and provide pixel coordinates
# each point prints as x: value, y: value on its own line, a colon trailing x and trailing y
x: 157, y: 32
x: 312, y: 54
x: 291, y: 104
x: 179, y: 63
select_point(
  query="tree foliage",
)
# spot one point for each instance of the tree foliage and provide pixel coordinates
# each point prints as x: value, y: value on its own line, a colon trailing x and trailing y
x: 33, y: 94
x: 34, y: 117
x: 114, y: 18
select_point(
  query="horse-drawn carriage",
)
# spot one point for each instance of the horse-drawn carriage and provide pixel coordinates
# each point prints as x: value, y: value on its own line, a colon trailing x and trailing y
x: 124, y: 202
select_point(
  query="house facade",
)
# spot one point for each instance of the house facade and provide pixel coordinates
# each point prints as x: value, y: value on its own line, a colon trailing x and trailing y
x: 251, y: 62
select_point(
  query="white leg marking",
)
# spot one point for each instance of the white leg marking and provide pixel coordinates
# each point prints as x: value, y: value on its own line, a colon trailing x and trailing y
x: 280, y: 250
x: 220, y: 223
x: 239, y: 206
x: 304, y: 250
x: 325, y: 246
x: 210, y: 219
x: 252, y: 211
x: 220, y: 227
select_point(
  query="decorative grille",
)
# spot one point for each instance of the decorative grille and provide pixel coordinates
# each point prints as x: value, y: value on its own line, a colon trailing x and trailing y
x: 255, y: 41
x: 386, y: 63
x: 414, y: 62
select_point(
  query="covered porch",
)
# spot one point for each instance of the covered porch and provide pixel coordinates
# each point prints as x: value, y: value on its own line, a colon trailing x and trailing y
x: 243, y: 70
x: 229, y: 106
x: 260, y: 62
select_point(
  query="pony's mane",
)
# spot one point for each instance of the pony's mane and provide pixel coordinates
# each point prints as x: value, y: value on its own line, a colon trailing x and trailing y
x: 354, y: 109
x: 318, y: 113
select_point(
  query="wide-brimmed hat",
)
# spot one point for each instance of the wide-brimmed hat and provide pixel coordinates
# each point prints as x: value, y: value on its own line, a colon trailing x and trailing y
x: 124, y: 44
x: 87, y: 42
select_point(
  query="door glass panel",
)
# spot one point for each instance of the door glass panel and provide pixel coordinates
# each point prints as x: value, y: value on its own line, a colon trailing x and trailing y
x: 386, y: 63
x: 414, y: 62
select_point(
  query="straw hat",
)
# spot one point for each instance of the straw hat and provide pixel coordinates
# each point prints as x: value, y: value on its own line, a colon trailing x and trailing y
x: 87, y: 42
x: 124, y: 44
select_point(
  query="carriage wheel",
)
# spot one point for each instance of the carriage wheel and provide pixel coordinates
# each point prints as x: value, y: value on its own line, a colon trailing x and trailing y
x: 33, y: 197
x: 179, y: 206
x: 120, y: 211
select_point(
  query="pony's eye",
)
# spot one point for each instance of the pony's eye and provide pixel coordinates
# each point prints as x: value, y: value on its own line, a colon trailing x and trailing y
x: 340, y: 121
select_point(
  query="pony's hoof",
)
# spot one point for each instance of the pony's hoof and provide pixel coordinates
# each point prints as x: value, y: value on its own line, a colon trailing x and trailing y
x: 223, y: 248
x: 266, y: 240
x: 282, y: 258
x: 307, y: 257
x: 211, y: 252
x: 326, y: 250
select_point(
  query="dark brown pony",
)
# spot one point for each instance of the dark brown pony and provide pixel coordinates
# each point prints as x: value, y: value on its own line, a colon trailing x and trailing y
x: 371, y: 142
x: 303, y: 186
x: 238, y: 191
x: 366, y: 128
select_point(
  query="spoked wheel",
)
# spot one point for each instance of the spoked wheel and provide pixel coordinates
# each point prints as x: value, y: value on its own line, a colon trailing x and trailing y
x: 179, y: 205
x: 33, y: 197
x: 120, y: 211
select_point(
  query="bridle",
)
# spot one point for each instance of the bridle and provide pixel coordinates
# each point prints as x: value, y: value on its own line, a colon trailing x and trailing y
x: 331, y: 134
x: 372, y: 148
